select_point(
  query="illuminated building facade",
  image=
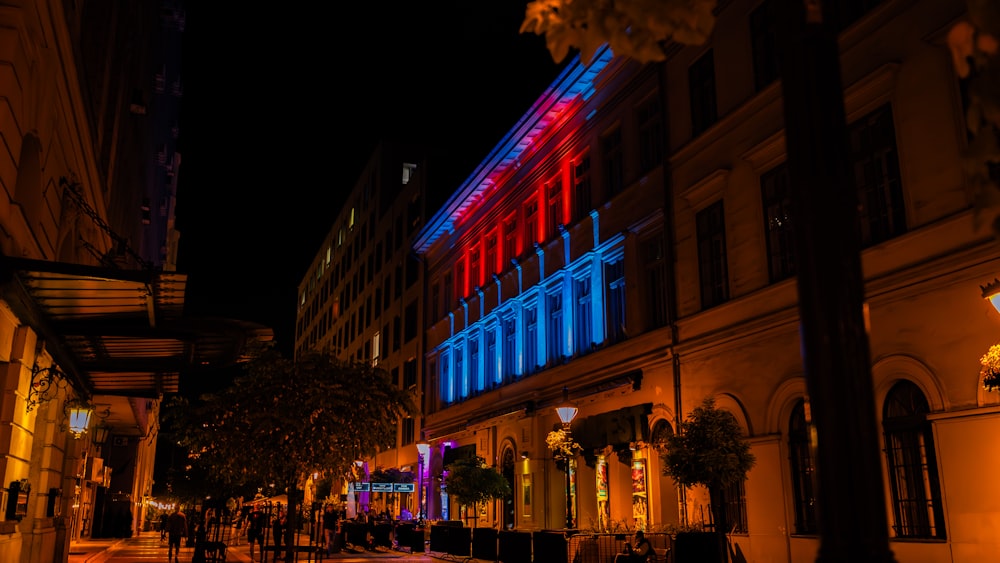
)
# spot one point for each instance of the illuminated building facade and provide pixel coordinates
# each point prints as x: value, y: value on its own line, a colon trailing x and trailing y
x: 361, y: 295
x: 629, y: 240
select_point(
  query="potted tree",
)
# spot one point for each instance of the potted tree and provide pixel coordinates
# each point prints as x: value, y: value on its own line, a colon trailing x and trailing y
x: 710, y: 450
x: 472, y: 482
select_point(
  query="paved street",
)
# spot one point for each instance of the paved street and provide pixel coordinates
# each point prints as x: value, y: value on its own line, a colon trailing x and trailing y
x: 147, y: 548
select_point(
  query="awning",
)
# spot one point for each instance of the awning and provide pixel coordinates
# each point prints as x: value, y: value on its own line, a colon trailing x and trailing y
x: 120, y: 332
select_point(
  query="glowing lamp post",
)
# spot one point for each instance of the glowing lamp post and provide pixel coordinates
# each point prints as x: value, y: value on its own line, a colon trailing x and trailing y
x: 423, y: 451
x: 567, y: 412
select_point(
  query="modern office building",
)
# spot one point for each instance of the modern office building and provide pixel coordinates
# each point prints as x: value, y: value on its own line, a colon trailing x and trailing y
x: 629, y: 241
x: 91, y: 309
x: 361, y: 295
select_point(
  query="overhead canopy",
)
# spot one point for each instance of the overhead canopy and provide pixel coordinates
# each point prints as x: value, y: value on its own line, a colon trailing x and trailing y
x: 120, y: 332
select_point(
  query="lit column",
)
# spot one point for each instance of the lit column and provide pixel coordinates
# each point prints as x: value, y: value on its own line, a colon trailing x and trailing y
x: 423, y: 453
x: 567, y: 412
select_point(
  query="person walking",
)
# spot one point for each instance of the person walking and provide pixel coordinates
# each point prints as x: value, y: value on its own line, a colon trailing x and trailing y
x: 330, y: 520
x: 163, y: 525
x: 177, y: 528
x: 255, y: 531
x: 278, y: 526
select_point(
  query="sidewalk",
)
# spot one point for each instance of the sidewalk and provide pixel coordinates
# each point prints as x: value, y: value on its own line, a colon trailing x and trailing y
x: 101, y: 550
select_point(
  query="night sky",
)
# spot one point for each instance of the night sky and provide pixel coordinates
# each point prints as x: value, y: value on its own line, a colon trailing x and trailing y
x: 282, y: 110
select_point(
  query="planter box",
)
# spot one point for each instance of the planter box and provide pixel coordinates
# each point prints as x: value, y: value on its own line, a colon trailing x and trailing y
x: 697, y: 547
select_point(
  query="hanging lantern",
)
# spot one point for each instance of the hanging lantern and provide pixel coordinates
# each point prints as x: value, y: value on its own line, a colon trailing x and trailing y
x: 79, y: 412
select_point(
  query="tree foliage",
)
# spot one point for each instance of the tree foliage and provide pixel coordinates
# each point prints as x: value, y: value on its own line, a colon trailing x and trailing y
x: 709, y: 450
x: 975, y: 46
x: 283, y: 419
x: 472, y: 482
x: 638, y: 29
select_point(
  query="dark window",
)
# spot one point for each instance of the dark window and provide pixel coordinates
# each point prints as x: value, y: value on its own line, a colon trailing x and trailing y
x: 460, y: 381
x: 876, y: 176
x: 554, y: 191
x: 474, y: 378
x: 490, y: 265
x: 408, y: 431
x: 530, y: 339
x: 650, y: 120
x: 460, y: 280
x: 763, y: 45
x: 800, y: 457
x: 735, y: 507
x: 510, y: 240
x: 410, y: 373
x: 553, y: 328
x: 581, y: 188
x: 509, y: 359
x: 655, y: 264
x: 490, y: 360
x: 912, y: 463
x: 614, y: 276
x: 776, y: 196
x: 412, y: 270
x: 475, y: 279
x: 396, y: 336
x: 613, y: 162
x: 701, y: 83
x: 531, y: 221
x: 712, y: 266
x: 583, y: 315
x: 410, y: 330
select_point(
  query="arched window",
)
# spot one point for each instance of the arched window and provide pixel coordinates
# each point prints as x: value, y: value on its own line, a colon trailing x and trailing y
x: 507, y: 470
x: 909, y: 451
x: 802, y: 470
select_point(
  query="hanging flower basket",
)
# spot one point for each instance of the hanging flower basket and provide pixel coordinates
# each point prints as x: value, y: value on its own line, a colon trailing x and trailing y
x: 991, y: 368
x: 562, y: 446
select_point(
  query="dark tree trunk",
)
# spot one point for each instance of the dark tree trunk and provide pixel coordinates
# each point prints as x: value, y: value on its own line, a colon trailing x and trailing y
x: 291, y: 523
x: 850, y: 494
x: 718, y: 504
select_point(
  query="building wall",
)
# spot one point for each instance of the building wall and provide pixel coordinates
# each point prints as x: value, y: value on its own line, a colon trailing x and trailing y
x: 364, y: 281
x: 928, y: 323
x: 66, y: 118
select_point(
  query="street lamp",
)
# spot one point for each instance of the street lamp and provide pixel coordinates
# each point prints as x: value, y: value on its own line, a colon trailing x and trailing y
x: 567, y: 412
x: 423, y: 449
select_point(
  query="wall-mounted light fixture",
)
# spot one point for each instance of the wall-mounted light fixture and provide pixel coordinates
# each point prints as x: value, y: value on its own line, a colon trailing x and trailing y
x: 991, y: 291
x: 45, y: 385
x: 101, y: 430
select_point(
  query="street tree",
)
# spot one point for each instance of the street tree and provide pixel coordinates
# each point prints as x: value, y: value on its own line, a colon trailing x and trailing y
x: 282, y: 420
x: 472, y: 483
x: 824, y: 203
x: 710, y: 450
